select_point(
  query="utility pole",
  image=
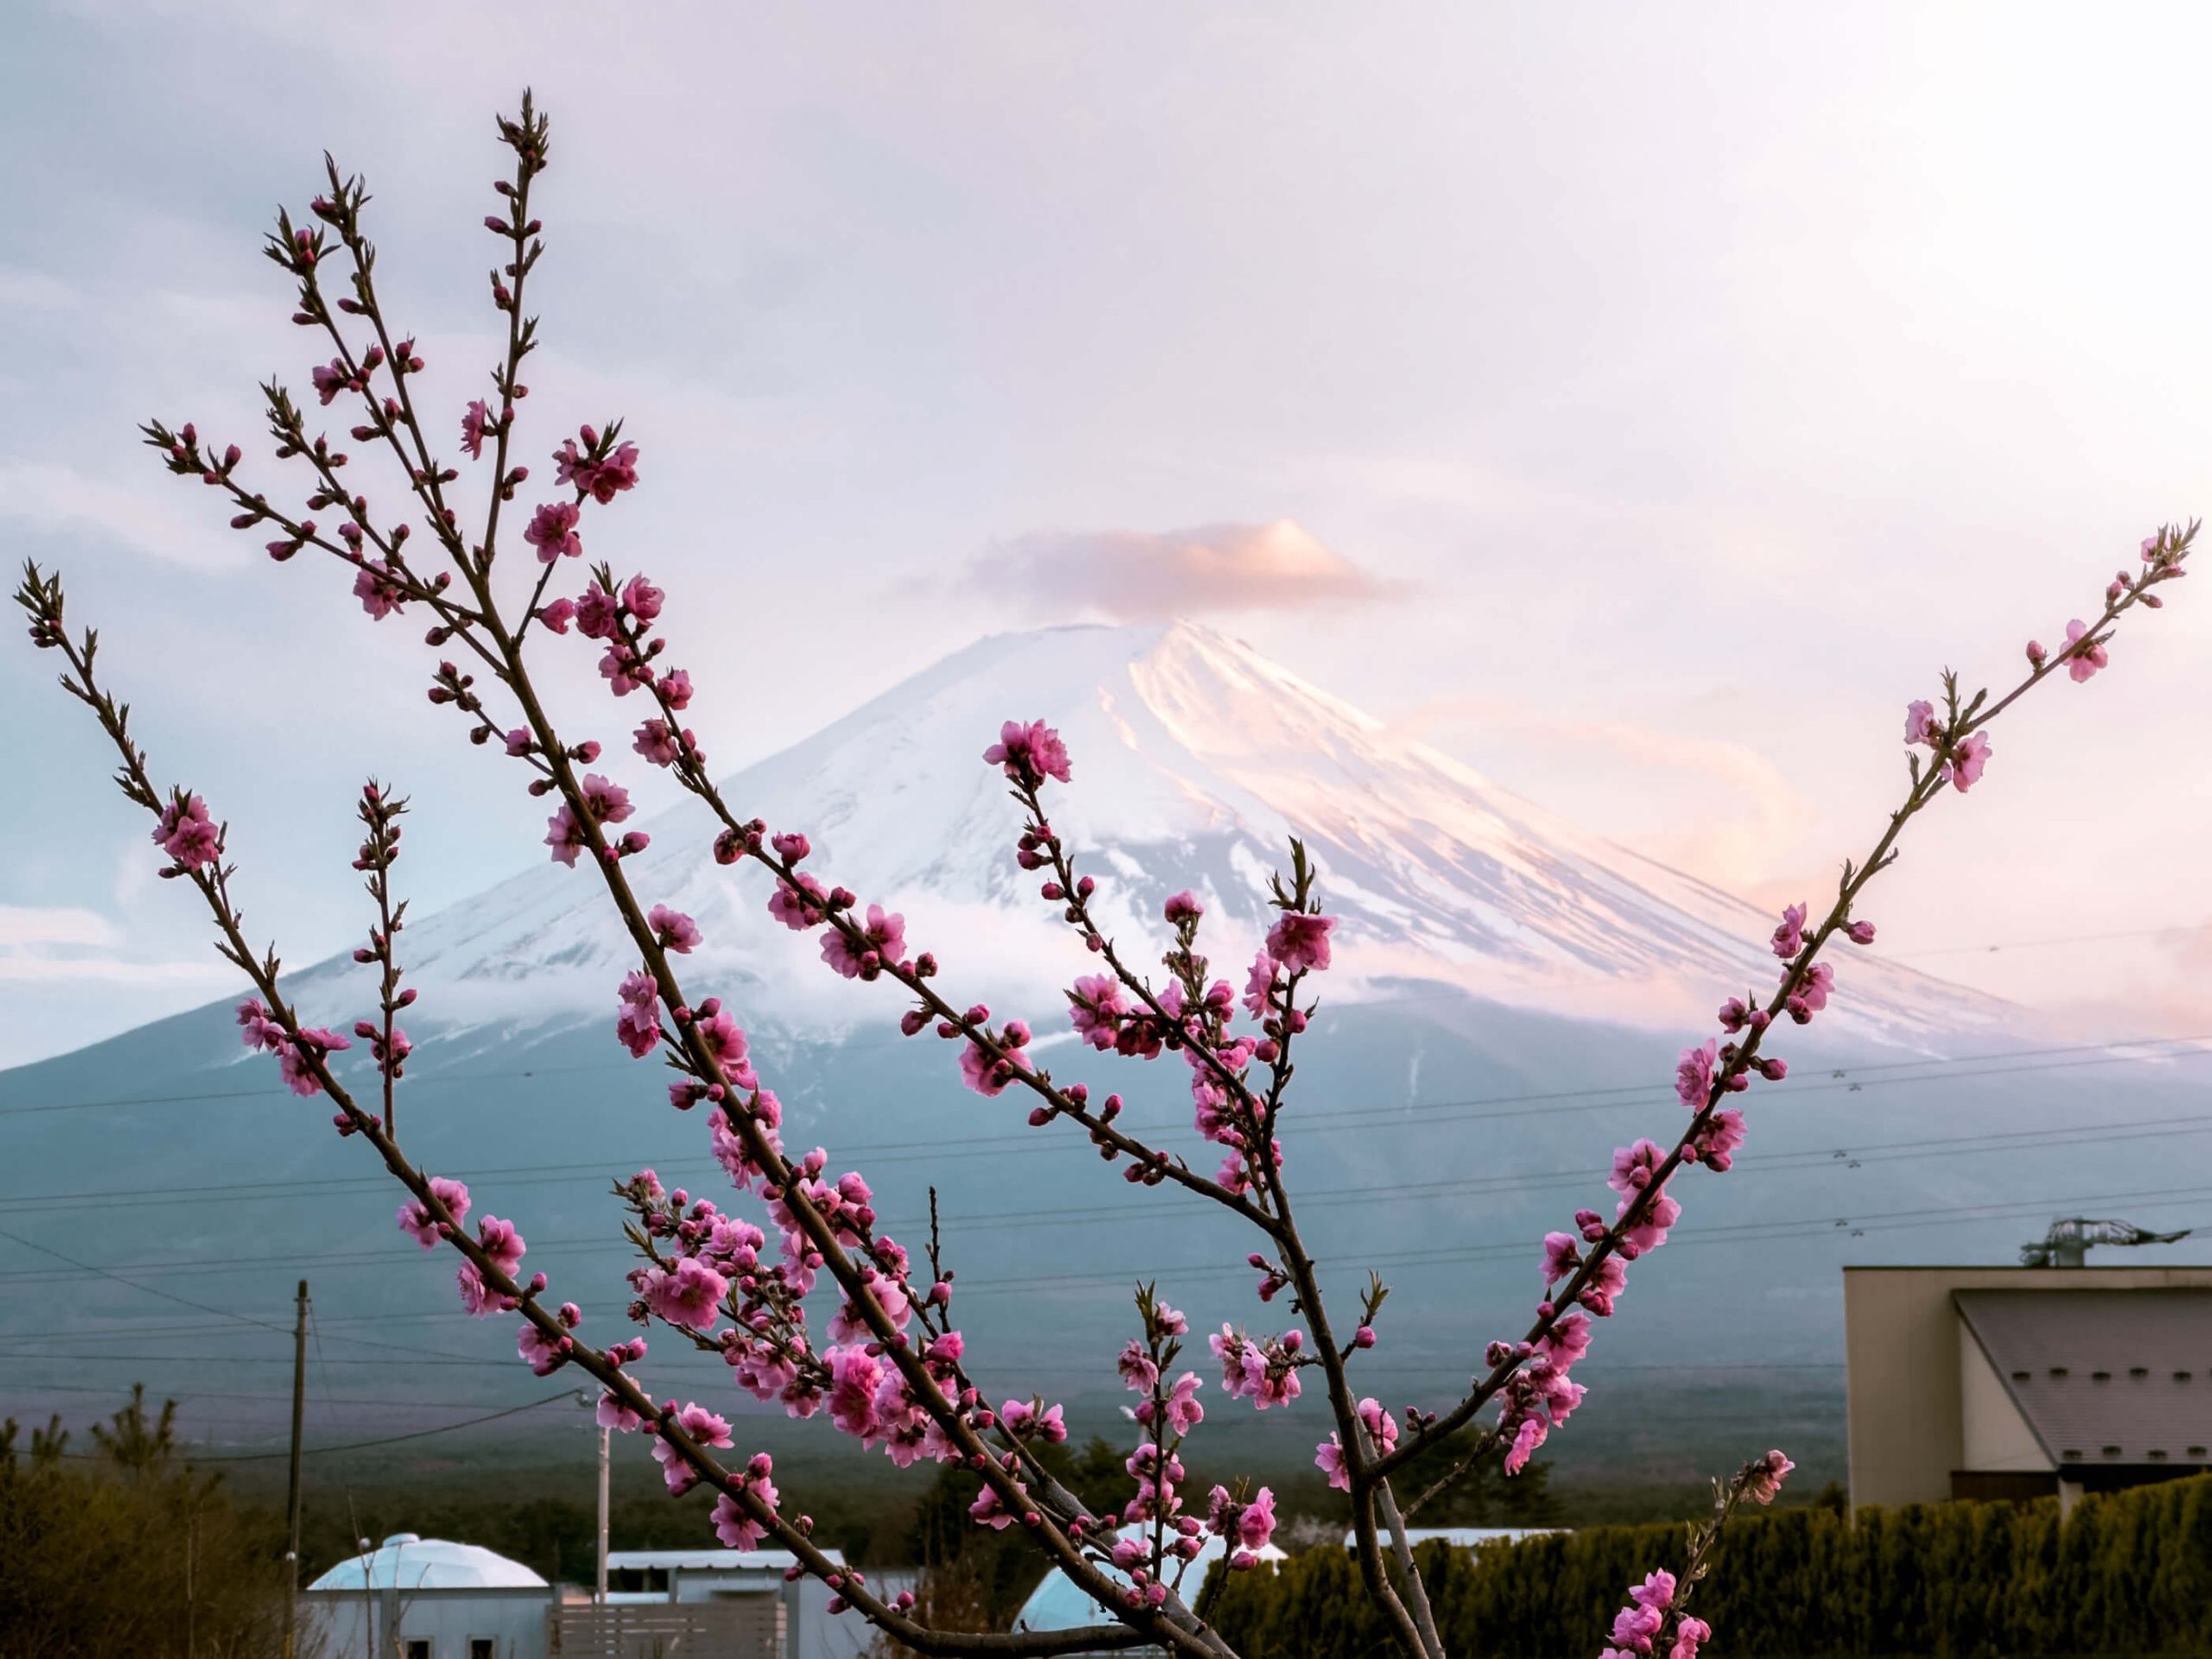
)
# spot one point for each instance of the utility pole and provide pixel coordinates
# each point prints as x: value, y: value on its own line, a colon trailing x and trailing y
x: 292, y: 1498
x: 601, y: 1597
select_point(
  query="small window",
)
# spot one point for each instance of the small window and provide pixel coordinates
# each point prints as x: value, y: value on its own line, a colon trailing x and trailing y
x: 2197, y: 1451
x: 2058, y: 1370
x: 2073, y: 1454
x: 482, y: 1647
x: 418, y: 1647
x: 2138, y: 1370
x: 2112, y: 1451
x: 2181, y: 1377
x: 2157, y: 1455
x: 2022, y: 1377
x: 2100, y: 1376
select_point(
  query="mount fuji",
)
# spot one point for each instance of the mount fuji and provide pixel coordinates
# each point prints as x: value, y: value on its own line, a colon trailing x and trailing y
x: 1196, y: 760
x: 1509, y: 994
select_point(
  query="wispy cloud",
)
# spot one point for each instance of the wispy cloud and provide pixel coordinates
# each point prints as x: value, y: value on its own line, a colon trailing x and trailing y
x: 51, y: 497
x: 32, y: 925
x: 1132, y: 575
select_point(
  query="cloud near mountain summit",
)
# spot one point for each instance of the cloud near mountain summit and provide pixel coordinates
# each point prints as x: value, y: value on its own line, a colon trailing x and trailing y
x: 1130, y: 575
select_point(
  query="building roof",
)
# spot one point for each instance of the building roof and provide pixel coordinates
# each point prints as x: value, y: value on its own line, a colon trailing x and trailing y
x: 708, y: 1560
x: 2103, y: 1376
x: 1461, y: 1537
x: 1059, y: 1604
x: 409, y: 1562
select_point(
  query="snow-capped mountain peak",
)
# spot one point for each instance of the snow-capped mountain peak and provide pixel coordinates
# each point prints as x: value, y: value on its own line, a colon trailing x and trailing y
x: 1196, y: 758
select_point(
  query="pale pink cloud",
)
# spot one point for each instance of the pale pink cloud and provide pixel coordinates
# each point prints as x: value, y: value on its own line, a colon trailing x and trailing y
x: 1134, y: 576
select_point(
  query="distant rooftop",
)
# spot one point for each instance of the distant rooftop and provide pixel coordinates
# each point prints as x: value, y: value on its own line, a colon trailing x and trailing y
x: 2105, y: 1376
x: 707, y: 1560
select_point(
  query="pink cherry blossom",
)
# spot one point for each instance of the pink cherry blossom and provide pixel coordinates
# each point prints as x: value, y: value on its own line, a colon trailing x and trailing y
x: 187, y: 835
x: 987, y: 1076
x: 1561, y: 1258
x: 1096, y: 1009
x: 801, y: 908
x: 1762, y: 1480
x: 607, y: 802
x: 2083, y: 660
x: 737, y: 1529
x: 1184, y: 1411
x: 1138, y: 1372
x: 1964, y: 768
x: 1301, y: 942
x: 687, y: 1293
x: 1183, y: 907
x: 704, y: 1428
x: 500, y: 1242
x: 657, y: 742
x: 415, y: 1215
x: 1526, y: 1439
x: 1920, y: 725
x: 552, y: 531
x: 565, y: 835
x: 376, y: 585
x: 1694, y: 1074
x: 1259, y: 984
x: 673, y: 929
x: 473, y: 421
x: 1029, y: 754
x: 883, y: 940
x: 642, y: 599
x: 541, y: 1353
x: 1329, y: 1458
x: 258, y: 1031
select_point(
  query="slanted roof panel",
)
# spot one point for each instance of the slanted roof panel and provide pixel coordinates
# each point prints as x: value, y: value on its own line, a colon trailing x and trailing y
x: 2103, y: 1375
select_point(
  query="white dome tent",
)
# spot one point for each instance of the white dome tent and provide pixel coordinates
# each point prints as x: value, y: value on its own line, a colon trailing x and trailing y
x: 407, y: 1560
x: 417, y: 1597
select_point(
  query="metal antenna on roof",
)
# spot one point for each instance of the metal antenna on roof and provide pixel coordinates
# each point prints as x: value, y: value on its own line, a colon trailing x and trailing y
x: 2067, y: 1244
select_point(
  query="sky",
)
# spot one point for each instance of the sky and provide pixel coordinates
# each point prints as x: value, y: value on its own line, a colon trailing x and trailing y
x: 1640, y: 405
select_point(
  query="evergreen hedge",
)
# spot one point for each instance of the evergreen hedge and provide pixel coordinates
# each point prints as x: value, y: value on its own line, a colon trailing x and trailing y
x: 2128, y: 1574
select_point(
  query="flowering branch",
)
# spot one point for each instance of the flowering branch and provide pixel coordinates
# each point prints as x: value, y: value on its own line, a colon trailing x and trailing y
x: 892, y: 1371
x: 1663, y: 1599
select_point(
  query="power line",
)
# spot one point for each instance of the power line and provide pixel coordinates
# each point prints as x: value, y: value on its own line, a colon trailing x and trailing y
x: 499, y: 1073
x: 1882, y: 1221
x: 1849, y: 1077
x: 1796, y: 1158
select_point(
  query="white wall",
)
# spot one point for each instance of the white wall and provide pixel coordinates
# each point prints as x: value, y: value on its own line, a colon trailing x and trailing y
x: 448, y: 1619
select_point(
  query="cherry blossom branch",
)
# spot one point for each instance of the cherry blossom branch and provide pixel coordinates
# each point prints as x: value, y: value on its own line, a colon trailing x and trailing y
x: 1663, y: 1599
x: 1958, y: 751
x: 196, y: 845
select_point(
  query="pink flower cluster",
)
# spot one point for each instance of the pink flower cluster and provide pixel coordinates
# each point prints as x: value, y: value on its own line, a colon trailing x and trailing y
x: 1638, y: 1626
x: 597, y: 470
x: 1029, y: 754
x: 1263, y: 1370
x: 1959, y: 764
x: 187, y: 835
x: 1381, y: 1429
x: 295, y: 1059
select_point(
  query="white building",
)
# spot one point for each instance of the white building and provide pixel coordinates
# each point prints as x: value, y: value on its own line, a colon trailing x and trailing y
x: 415, y: 1598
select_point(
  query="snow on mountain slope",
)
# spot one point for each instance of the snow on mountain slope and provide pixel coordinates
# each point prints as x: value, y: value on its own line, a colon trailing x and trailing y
x: 1195, y: 759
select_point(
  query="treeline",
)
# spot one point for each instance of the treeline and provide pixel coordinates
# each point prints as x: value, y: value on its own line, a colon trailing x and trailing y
x: 2128, y: 1574
x: 119, y: 1549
